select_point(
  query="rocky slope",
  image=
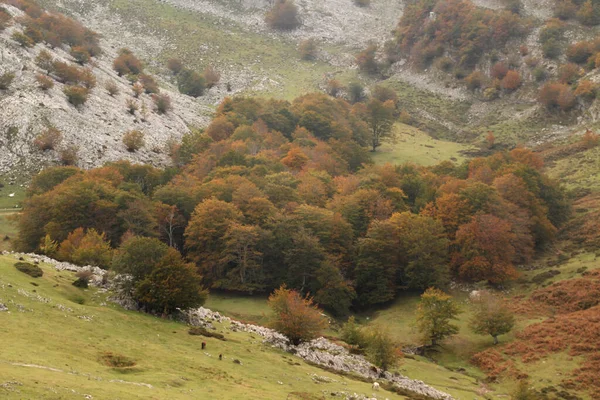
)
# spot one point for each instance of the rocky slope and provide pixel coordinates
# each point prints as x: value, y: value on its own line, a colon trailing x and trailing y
x: 97, y: 127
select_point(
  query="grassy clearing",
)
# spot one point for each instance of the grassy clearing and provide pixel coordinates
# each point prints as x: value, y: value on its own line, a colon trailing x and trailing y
x: 579, y: 170
x: 415, y: 146
x: 50, y: 351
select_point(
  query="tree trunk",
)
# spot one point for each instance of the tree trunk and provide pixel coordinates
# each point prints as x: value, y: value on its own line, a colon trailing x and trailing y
x: 495, y: 339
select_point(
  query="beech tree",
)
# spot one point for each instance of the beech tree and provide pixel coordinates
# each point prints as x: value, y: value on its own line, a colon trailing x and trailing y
x: 295, y: 316
x: 492, y: 316
x: 434, y: 313
x: 379, y: 117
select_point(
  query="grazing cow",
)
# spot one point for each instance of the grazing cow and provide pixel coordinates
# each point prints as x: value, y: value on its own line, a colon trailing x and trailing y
x: 203, y: 345
x: 220, y: 357
x: 375, y: 386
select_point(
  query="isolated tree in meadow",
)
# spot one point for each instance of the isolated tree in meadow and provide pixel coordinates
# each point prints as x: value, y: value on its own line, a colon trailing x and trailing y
x: 172, y: 284
x: 434, y: 313
x: 379, y: 117
x: 381, y: 349
x: 295, y: 316
x: 492, y: 316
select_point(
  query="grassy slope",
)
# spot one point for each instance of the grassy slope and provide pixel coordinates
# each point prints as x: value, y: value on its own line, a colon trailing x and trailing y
x: 167, y: 357
x: 415, y: 146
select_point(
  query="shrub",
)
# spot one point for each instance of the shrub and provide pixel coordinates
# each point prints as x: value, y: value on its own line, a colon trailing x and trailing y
x: 132, y: 106
x: 22, y: 39
x: 334, y: 87
x: 539, y: 74
x: 116, y: 360
x: 126, y: 63
x: 355, y: 92
x: 6, y: 79
x: 76, y: 95
x: 137, y: 89
x: 200, y: 331
x: 69, y: 156
x: 523, y: 50
x: 89, y: 248
x: 566, y: 99
x: 49, y: 139
x: 133, y: 140
x: 551, y: 49
x: 175, y: 65
x: 366, y: 60
x: 30, y: 269
x: 382, y: 350
x: 34, y: 34
x: 162, y: 102
x: 283, y: 15
x: 88, y: 79
x: 295, y: 316
x: 511, y: 81
x: 587, y: 14
x: 45, y: 61
x: 569, y: 73
x: 499, y: 70
x: 44, y: 82
x: 565, y: 9
x: 590, y: 139
x: 550, y: 93
x: 474, y: 80
x: 308, y: 49
x: 112, y: 88
x: 353, y: 334
x: 586, y: 89
x: 68, y: 74
x: 445, y: 64
x: 80, y: 54
x: 150, y: 85
x: 580, y: 52
x: 211, y: 76
x: 191, y: 83
x: 83, y: 279
x: 384, y: 94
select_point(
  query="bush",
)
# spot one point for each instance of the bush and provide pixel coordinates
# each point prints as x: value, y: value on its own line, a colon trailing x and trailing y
x: 588, y: 14
x: 539, y: 74
x: 112, y: 88
x: 89, y: 248
x: 149, y: 83
x: 80, y: 54
x: 175, y: 65
x: 586, y: 89
x: 137, y: 89
x: 162, y: 102
x: 44, y: 82
x: 499, y: 70
x: 126, y: 63
x: 76, y: 95
x: 445, y: 64
x: 116, y: 360
x: 191, y: 83
x: 569, y: 73
x: 334, y: 87
x: 366, y: 60
x: 283, y: 15
x: 30, y: 269
x: 580, y: 52
x: 565, y: 9
x: 356, y: 92
x: 308, y: 49
x: 132, y: 106
x: 200, y: 331
x: 49, y: 139
x: 211, y: 76
x: 6, y: 79
x: 69, y: 156
x: 384, y: 94
x: 295, y: 316
x: 551, y: 49
x: 511, y: 81
x: 382, y: 350
x: 45, y: 61
x: 22, y: 39
x: 133, y: 140
x: 474, y: 80
x: 353, y: 334
x: 67, y: 74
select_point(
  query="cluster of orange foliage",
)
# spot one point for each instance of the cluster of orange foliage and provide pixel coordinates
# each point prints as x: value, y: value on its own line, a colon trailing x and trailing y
x: 457, y: 27
x: 571, y: 295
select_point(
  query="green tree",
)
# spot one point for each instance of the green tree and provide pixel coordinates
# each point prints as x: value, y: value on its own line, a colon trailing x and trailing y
x: 434, y: 313
x: 172, y: 284
x: 138, y: 256
x: 295, y: 316
x: 379, y: 117
x: 191, y: 83
x: 492, y: 317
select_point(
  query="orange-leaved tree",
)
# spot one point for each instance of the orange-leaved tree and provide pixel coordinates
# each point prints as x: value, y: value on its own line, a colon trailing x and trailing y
x: 295, y: 316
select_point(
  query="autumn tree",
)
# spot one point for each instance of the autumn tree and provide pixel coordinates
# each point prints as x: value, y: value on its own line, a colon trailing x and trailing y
x: 133, y: 140
x: 86, y: 248
x: 381, y: 349
x: 434, y: 313
x: 127, y: 63
x: 242, y: 251
x: 366, y: 60
x: 295, y: 316
x: 308, y: 49
x: 173, y: 284
x: 491, y: 317
x: 191, y: 83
